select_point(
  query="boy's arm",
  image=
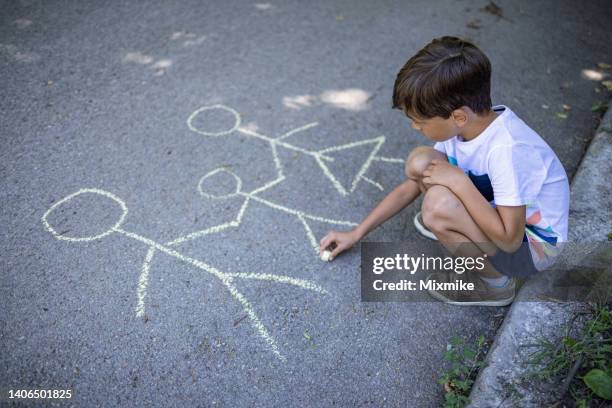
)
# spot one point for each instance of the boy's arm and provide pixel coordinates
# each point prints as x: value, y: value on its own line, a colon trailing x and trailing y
x: 400, y: 197
x: 397, y: 199
x: 504, y: 225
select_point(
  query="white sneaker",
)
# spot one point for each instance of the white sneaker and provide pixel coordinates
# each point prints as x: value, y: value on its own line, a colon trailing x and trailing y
x: 418, y: 223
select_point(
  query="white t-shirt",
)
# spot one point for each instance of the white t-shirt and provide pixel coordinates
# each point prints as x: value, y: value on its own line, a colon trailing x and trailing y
x: 511, y: 165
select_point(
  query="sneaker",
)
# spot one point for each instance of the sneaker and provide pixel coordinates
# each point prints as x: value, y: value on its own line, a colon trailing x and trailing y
x: 449, y: 287
x: 418, y: 223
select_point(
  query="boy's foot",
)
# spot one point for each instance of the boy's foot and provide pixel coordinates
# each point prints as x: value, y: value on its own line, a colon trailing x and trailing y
x: 418, y: 223
x: 482, y: 294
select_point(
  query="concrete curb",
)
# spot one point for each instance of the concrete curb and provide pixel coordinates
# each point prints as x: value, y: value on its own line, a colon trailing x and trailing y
x: 501, y: 383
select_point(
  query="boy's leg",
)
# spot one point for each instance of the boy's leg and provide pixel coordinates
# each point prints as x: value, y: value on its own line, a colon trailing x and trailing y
x: 418, y: 160
x: 445, y: 215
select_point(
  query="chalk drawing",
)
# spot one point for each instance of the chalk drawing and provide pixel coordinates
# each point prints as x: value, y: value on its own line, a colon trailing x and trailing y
x: 321, y: 156
x: 252, y: 195
x: 248, y: 197
x: 103, y: 193
x: 226, y: 278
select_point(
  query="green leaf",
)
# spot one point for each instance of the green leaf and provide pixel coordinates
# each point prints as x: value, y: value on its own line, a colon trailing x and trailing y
x: 582, y: 403
x: 456, y: 341
x: 568, y: 341
x: 599, y: 107
x: 600, y: 383
x: 481, y: 341
x: 462, y: 385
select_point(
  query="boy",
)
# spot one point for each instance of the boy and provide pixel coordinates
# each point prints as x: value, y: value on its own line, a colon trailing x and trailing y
x: 490, y: 182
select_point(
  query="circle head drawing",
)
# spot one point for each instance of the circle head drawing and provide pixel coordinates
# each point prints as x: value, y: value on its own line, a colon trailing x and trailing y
x: 85, y: 191
x: 195, y: 114
x: 219, y: 178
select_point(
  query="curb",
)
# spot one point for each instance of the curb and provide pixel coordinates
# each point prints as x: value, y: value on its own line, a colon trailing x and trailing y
x: 501, y: 383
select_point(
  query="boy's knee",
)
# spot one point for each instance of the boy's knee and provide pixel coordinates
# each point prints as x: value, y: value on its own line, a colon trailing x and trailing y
x: 439, y: 207
x: 418, y: 160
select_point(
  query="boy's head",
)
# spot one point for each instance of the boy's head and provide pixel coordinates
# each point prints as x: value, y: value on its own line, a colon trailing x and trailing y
x: 448, y: 77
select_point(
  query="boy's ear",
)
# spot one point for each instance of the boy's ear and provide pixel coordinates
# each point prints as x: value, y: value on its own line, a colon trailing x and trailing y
x: 460, y: 116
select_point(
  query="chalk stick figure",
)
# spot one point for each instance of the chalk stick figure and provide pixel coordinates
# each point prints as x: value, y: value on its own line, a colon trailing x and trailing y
x: 234, y: 190
x: 226, y: 278
x: 321, y: 156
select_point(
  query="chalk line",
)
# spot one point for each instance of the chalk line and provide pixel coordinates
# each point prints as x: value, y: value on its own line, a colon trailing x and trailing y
x: 296, y: 130
x: 267, y: 185
x: 378, y: 141
x: 214, y: 134
x: 311, y: 237
x: 212, y: 230
x: 143, y: 282
x: 277, y: 162
x: 303, y: 283
x: 227, y: 280
x: 339, y: 187
x: 261, y: 329
x: 288, y: 146
x: 301, y: 213
x: 124, y: 212
x: 380, y: 187
x: 222, y: 196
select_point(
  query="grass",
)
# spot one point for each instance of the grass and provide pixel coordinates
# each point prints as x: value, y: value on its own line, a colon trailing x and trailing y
x: 582, y: 360
x: 466, y: 360
x: 599, y: 107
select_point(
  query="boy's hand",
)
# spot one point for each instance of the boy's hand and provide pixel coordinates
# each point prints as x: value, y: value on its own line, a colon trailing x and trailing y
x: 443, y: 173
x: 339, y: 241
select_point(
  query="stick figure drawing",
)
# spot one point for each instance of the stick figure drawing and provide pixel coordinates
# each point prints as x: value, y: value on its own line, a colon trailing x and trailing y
x: 228, y: 278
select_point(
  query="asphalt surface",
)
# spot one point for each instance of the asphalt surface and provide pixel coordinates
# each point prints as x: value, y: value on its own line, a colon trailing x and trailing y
x: 99, y: 96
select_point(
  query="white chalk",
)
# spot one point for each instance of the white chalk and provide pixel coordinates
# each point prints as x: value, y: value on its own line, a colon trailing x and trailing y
x: 326, y: 256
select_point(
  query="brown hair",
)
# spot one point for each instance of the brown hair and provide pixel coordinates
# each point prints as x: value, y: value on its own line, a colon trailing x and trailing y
x: 446, y: 74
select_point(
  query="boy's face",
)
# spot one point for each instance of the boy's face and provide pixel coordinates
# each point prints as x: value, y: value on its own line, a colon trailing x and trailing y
x: 437, y: 128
